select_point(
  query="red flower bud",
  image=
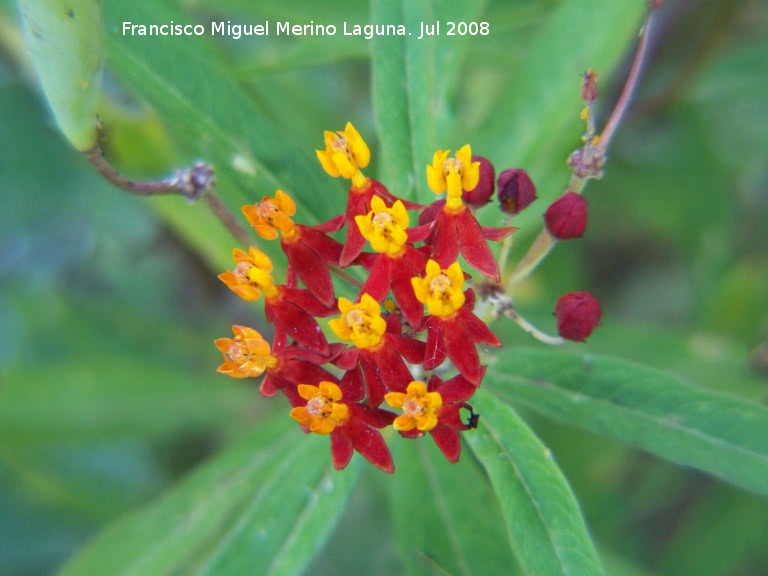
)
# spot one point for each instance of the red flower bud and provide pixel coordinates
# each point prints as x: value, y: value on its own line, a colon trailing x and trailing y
x: 481, y: 194
x: 566, y: 217
x: 577, y: 313
x: 516, y: 190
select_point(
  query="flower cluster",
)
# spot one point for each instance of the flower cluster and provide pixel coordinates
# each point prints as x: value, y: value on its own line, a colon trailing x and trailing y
x: 407, y: 352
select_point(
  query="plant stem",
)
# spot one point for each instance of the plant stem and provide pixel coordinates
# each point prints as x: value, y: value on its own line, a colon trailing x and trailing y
x: 192, y: 183
x: 544, y: 242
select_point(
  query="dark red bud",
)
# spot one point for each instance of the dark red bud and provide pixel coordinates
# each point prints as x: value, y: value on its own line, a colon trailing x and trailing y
x: 515, y: 190
x: 566, y: 217
x: 482, y: 193
x: 577, y: 313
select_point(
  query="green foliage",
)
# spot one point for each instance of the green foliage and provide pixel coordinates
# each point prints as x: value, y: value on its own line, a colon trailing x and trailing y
x: 65, y: 39
x: 643, y: 452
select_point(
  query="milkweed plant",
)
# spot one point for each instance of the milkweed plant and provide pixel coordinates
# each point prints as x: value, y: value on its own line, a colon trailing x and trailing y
x: 381, y: 319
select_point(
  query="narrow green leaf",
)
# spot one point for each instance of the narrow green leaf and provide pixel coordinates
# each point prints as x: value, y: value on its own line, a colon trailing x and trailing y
x: 412, y: 81
x: 262, y: 507
x: 723, y: 435
x: 446, y: 518
x: 65, y: 39
x: 543, y: 519
x: 213, y: 119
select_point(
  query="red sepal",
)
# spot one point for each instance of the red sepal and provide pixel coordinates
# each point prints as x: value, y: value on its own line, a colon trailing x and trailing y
x: 308, y: 266
x: 478, y: 330
x: 473, y: 246
x: 447, y: 439
x: 341, y: 449
x: 333, y: 225
x: 445, y: 239
x: 435, y: 352
x: 496, y: 234
x: 296, y: 322
x: 410, y: 349
x: 461, y: 350
x: 392, y: 370
x: 377, y: 283
x: 365, y: 439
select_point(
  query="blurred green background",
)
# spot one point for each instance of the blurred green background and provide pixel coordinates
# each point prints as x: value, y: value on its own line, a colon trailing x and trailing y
x: 108, y: 390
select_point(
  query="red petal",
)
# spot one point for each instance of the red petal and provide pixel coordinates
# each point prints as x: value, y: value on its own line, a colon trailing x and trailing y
x: 326, y: 247
x: 392, y: 369
x: 430, y: 213
x: 375, y: 417
x: 306, y: 301
x: 369, y: 443
x: 495, y: 234
x: 402, y: 289
x: 410, y: 349
x: 479, y: 331
x: 462, y: 351
x: 332, y: 225
x: 306, y: 263
x: 473, y: 246
x: 419, y: 233
x: 378, y: 189
x: 347, y: 359
x: 374, y: 386
x: 352, y: 385
x: 267, y: 388
x: 447, y: 439
x: 298, y: 324
x: 446, y: 239
x: 457, y: 389
x: 341, y: 449
x: 435, y: 351
x: 377, y: 283
x: 353, y: 245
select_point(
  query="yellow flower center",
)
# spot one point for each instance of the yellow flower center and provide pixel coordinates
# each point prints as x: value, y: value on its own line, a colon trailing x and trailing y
x: 453, y: 175
x: 323, y: 412
x: 420, y: 408
x: 345, y: 153
x: 385, y: 227
x: 360, y: 323
x: 272, y: 215
x: 246, y: 355
x: 440, y: 290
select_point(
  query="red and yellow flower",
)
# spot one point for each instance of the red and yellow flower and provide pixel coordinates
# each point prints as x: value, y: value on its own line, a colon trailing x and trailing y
x: 435, y: 408
x: 452, y: 328
x: 308, y: 248
x: 376, y: 364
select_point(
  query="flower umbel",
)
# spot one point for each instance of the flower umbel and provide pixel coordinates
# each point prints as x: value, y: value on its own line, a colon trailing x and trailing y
x: 419, y: 407
x: 413, y: 320
x: 323, y: 411
x: 345, y: 153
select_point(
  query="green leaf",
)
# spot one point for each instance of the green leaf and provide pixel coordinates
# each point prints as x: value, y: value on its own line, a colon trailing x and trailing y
x: 723, y: 435
x: 445, y: 516
x: 213, y: 119
x: 543, y: 519
x: 263, y: 507
x: 412, y: 82
x: 65, y: 39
